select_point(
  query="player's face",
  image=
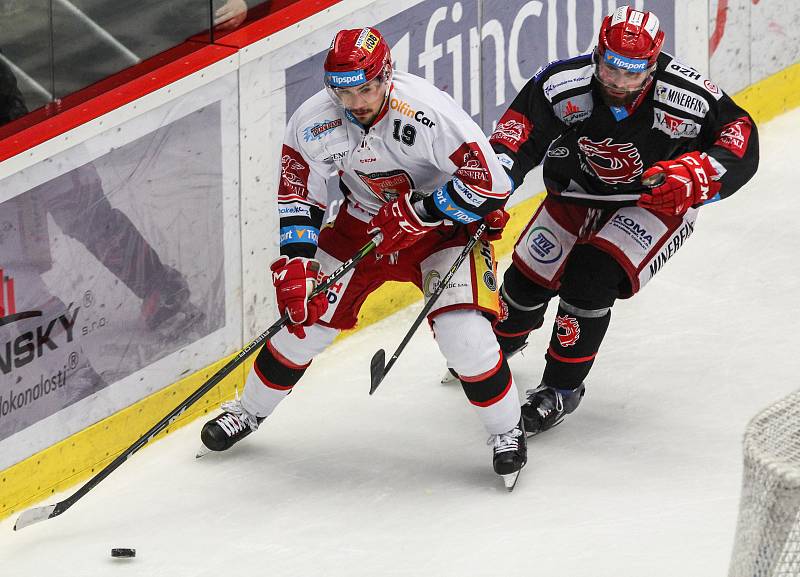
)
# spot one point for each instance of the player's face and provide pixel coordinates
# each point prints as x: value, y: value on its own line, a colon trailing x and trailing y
x: 363, y: 101
x: 619, y: 86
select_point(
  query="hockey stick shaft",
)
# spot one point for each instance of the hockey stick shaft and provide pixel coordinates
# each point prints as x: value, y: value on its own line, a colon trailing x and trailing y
x: 377, y: 377
x: 38, y: 514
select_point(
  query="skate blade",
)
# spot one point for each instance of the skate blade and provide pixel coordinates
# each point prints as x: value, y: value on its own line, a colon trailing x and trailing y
x: 448, y: 378
x: 510, y: 480
x: 202, y: 452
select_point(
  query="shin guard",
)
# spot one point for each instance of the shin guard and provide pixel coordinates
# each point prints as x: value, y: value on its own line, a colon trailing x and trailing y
x: 270, y: 380
x: 494, y: 397
x: 577, y: 334
x: 524, y: 304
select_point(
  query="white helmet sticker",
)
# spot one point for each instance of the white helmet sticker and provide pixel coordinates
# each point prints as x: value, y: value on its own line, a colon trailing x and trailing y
x: 620, y: 15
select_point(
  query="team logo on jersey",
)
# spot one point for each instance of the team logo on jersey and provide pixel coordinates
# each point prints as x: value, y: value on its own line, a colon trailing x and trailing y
x: 568, y: 330
x: 734, y: 136
x: 320, y: 129
x: 558, y: 152
x: 387, y: 186
x: 612, y: 163
x: 674, y: 126
x: 472, y: 167
x: 543, y: 245
x: 294, y: 175
x: 512, y: 130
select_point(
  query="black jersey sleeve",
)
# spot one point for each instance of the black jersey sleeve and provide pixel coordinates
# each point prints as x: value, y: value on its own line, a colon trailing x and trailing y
x: 732, y: 143
x: 525, y: 131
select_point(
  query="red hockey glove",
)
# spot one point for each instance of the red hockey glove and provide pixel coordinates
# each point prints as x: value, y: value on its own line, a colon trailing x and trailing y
x: 495, y: 223
x: 686, y: 182
x: 294, y: 280
x: 399, y: 225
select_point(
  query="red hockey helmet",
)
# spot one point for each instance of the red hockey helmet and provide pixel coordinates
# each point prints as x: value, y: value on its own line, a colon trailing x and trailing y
x: 355, y: 57
x: 630, y: 40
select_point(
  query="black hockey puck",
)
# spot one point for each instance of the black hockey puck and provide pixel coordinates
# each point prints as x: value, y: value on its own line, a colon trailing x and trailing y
x: 124, y: 553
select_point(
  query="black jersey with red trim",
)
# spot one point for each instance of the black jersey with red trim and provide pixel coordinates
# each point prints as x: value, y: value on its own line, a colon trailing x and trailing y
x: 595, y: 154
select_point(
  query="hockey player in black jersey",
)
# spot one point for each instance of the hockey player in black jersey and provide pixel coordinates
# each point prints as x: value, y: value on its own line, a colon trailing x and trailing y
x: 602, y: 124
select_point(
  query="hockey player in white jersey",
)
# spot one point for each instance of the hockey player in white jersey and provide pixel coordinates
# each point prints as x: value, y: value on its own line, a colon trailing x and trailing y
x: 416, y: 171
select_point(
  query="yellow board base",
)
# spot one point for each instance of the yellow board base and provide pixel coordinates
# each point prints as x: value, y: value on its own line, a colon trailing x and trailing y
x: 773, y: 95
x: 85, y: 453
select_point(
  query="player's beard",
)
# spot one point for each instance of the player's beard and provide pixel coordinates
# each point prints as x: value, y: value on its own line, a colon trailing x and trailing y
x: 369, y: 120
x: 621, y: 99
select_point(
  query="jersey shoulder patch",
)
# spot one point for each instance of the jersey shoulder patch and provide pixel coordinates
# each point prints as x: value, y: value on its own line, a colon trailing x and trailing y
x: 319, y: 127
x: 573, y: 109
x: 563, y: 75
x: 667, y: 92
x: 683, y: 72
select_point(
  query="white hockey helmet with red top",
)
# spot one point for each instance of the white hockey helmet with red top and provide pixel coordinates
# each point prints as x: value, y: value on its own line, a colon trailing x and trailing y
x: 630, y: 40
x: 356, y: 57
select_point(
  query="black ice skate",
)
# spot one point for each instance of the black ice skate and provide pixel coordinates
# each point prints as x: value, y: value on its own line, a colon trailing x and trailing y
x: 546, y: 407
x: 224, y: 431
x: 510, y: 454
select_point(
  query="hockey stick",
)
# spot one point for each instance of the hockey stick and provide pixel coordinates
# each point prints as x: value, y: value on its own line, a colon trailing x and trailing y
x: 378, y: 366
x: 38, y: 514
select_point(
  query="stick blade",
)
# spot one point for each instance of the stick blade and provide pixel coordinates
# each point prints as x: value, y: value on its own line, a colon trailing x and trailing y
x: 34, y: 515
x: 377, y: 369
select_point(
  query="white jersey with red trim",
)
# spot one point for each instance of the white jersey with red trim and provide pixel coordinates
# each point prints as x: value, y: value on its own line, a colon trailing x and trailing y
x: 422, y: 140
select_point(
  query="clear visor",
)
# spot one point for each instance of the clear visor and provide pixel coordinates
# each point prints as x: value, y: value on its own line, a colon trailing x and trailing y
x: 363, y: 95
x: 618, y: 79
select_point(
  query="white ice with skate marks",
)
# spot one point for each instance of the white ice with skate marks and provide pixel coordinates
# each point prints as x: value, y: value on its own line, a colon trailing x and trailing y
x: 643, y: 479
